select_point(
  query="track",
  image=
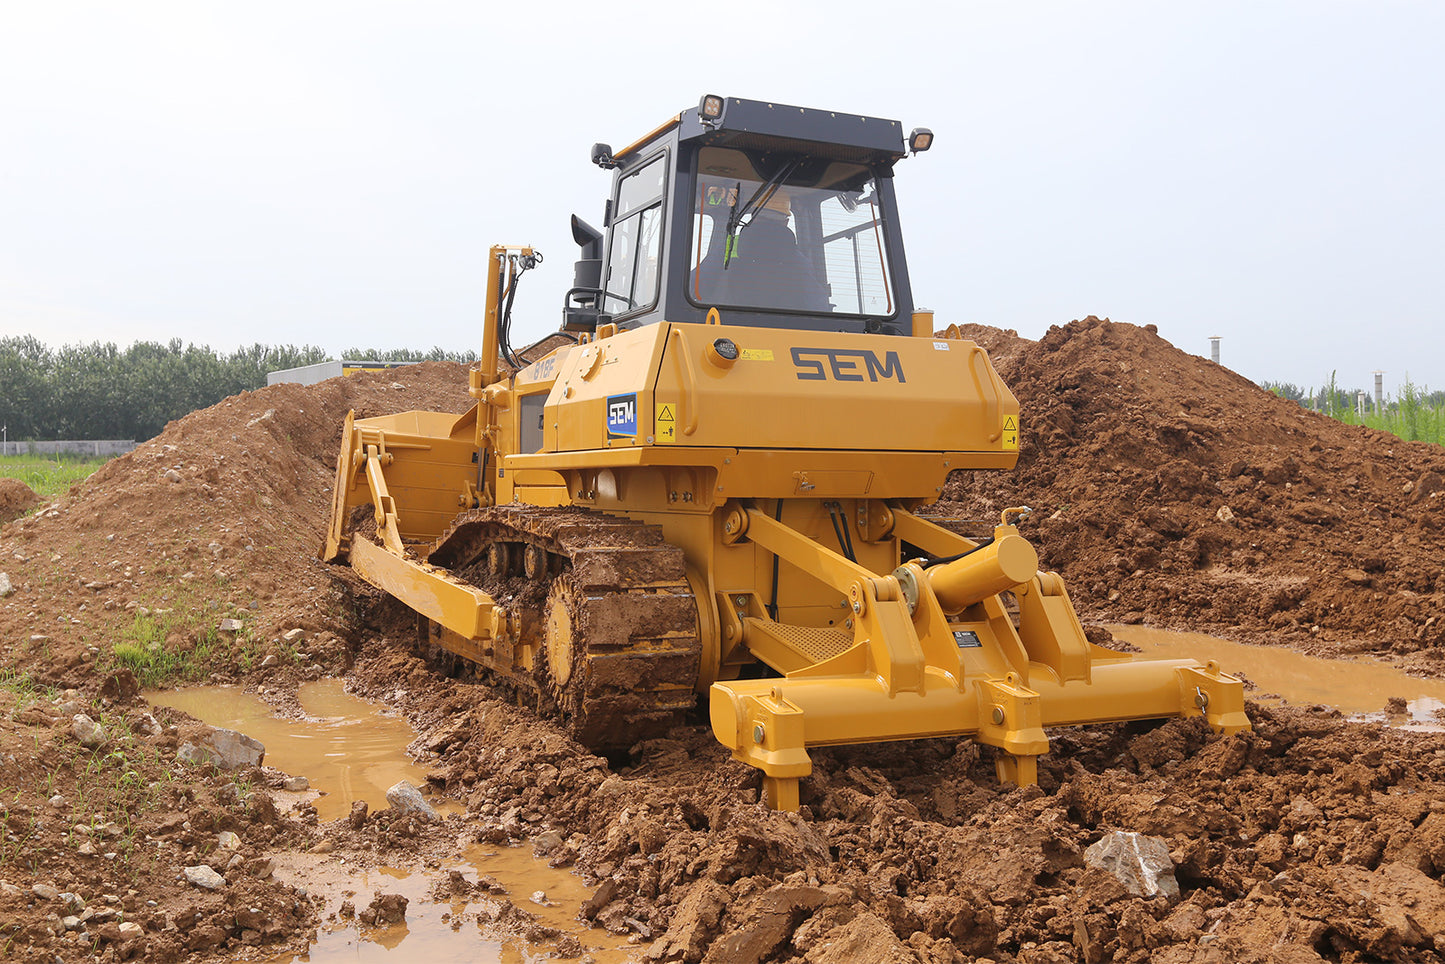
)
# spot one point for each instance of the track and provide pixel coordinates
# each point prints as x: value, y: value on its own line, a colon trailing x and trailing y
x: 608, y: 635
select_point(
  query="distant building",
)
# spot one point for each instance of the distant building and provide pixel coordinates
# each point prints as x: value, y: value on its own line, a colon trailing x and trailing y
x: 311, y: 374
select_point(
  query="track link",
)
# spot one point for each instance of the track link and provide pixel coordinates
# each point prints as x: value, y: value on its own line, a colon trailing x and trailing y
x: 607, y: 622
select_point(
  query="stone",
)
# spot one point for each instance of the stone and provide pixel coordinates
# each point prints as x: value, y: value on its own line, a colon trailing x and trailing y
x: 269, y: 661
x: 230, y: 626
x: 87, y: 731
x: 204, y: 877
x: 293, y: 635
x: 57, y: 801
x: 235, y: 750
x: 5, y: 586
x: 227, y: 840
x: 357, y: 818
x: 547, y: 843
x: 45, y: 891
x: 71, y: 923
x: 1142, y: 864
x: 172, y: 475
x: 72, y: 903
x: 196, y: 755
x: 405, y: 798
x: 295, y: 784
x: 147, y: 724
x: 130, y: 929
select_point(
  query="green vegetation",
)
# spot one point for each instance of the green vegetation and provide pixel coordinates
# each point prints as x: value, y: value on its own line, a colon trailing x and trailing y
x: 49, y: 477
x: 100, y: 391
x: 1413, y: 413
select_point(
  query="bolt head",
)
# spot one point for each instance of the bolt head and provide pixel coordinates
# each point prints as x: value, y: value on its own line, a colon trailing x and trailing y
x: 857, y: 606
x: 758, y: 733
x: 997, y: 716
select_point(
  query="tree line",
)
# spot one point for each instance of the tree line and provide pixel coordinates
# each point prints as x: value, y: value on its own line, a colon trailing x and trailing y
x: 100, y: 391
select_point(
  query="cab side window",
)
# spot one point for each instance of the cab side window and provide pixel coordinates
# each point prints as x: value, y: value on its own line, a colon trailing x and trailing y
x: 636, y: 240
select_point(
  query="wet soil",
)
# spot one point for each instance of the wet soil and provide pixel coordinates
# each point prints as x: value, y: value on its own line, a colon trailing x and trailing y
x: 1311, y: 838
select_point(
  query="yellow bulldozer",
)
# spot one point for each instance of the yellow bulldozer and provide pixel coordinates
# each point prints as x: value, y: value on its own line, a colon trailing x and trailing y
x: 712, y: 486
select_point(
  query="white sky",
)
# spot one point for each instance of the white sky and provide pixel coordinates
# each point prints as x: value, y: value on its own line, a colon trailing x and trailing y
x: 332, y: 173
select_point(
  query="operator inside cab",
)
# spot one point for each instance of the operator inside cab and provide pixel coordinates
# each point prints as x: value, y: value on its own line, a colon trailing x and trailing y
x: 806, y: 237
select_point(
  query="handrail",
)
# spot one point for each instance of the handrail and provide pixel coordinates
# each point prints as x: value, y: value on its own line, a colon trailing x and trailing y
x: 687, y: 387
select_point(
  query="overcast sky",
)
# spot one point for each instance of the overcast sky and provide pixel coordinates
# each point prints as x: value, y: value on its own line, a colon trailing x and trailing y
x: 332, y: 173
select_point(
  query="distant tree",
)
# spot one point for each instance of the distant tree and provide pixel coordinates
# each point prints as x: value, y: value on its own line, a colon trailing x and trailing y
x: 1286, y: 390
x: 408, y: 355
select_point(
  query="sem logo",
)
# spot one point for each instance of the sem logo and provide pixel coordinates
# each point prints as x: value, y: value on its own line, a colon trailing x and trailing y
x: 846, y: 365
x: 621, y: 415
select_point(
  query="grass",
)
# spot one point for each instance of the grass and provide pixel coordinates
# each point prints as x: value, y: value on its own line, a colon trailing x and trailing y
x: 49, y: 478
x: 1409, y: 416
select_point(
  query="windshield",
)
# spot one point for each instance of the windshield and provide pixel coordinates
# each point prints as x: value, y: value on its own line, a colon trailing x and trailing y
x: 787, y: 232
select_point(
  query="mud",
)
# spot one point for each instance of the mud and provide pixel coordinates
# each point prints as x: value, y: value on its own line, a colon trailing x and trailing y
x: 1311, y: 838
x: 1356, y: 685
x: 345, y: 747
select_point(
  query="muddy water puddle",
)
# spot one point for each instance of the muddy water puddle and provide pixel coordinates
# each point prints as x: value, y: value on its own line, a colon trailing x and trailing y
x: 450, y: 928
x: 1360, y: 687
x: 345, y: 747
x: 350, y: 749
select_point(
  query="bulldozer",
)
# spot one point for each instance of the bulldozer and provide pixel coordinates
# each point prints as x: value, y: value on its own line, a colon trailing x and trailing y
x: 716, y: 484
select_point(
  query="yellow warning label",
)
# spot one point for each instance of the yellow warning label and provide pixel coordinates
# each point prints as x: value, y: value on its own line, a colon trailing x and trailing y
x: 666, y: 419
x: 1010, y: 432
x: 757, y: 354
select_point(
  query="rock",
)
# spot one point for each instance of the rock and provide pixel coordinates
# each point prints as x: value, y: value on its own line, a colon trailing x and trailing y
x: 1357, y: 576
x: 147, y: 724
x: 295, y: 784
x: 269, y: 661
x: 324, y: 847
x: 405, y: 798
x: 230, y: 626
x: 71, y: 923
x: 357, y: 818
x: 45, y: 891
x: 385, y: 909
x: 204, y: 877
x: 1142, y: 864
x: 130, y: 929
x: 236, y: 750
x: 87, y: 731
x: 293, y: 635
x: 1427, y: 485
x: 172, y: 475
x: 5, y: 587
x: 1225, y: 514
x: 603, y: 896
x: 57, y: 801
x: 71, y: 903
x: 227, y: 840
x: 548, y: 842
x: 196, y: 755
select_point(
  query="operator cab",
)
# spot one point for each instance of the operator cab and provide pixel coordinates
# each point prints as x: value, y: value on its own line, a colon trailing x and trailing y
x: 774, y: 216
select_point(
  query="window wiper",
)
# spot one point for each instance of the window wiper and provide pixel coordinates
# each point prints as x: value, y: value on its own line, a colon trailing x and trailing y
x: 735, y: 219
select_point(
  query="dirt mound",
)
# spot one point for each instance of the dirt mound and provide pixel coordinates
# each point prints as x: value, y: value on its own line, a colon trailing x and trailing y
x: 220, y: 516
x: 16, y: 499
x: 1173, y: 491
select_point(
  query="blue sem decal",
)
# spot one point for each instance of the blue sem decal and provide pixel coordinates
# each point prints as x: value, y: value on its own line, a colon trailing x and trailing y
x: 621, y: 415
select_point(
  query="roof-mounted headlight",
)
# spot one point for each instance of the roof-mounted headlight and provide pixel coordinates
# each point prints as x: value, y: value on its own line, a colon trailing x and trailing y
x: 710, y: 108
x: 920, y: 140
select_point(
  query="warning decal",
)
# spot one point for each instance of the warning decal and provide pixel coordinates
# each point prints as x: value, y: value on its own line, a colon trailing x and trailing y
x: 666, y: 418
x: 757, y: 354
x: 1010, y: 432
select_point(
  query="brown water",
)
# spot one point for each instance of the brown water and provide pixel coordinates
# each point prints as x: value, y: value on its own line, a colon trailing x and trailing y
x: 1355, y: 686
x: 350, y: 749
x: 447, y: 930
x: 347, y: 748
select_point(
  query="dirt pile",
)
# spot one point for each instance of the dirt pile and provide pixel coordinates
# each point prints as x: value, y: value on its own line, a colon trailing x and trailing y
x: 1173, y: 491
x: 1308, y: 839
x: 16, y: 499
x: 219, y: 517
